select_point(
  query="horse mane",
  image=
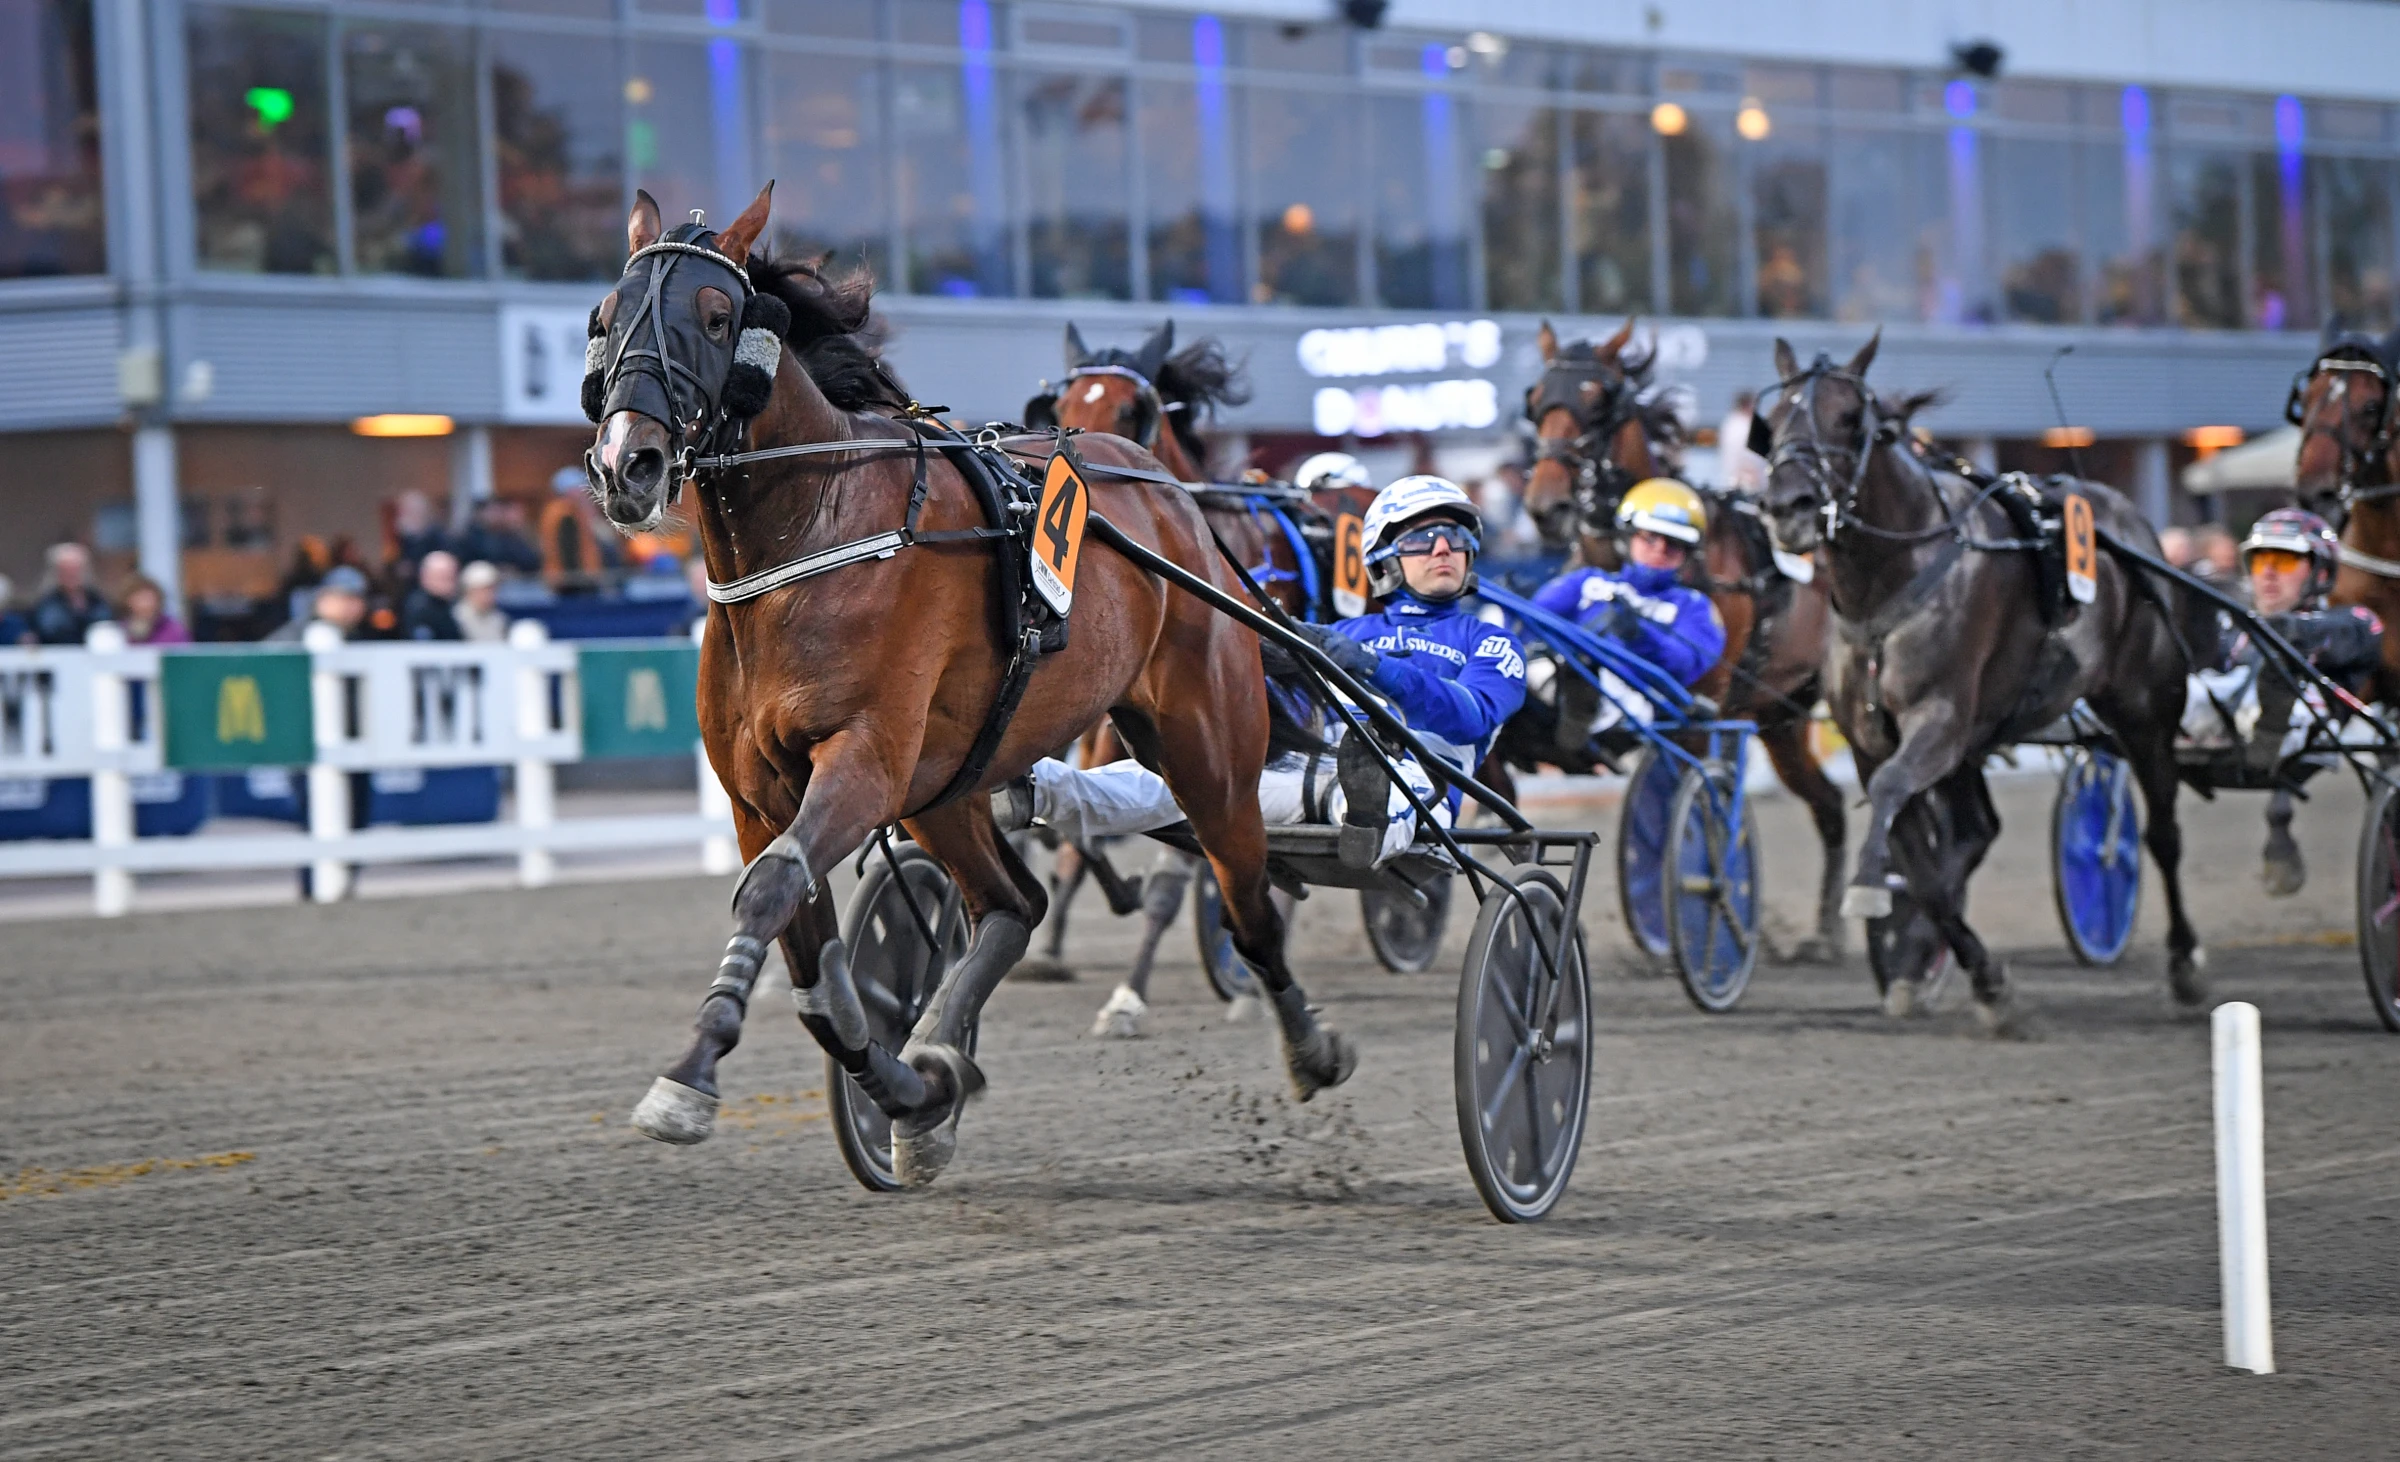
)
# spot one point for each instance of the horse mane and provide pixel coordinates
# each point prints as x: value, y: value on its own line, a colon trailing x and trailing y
x: 1901, y: 409
x: 835, y: 333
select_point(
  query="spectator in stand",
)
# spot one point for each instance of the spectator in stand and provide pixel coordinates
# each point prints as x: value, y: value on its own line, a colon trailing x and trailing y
x: 426, y: 613
x: 416, y: 532
x: 15, y: 629
x: 2175, y: 546
x: 1738, y: 467
x: 341, y: 601
x: 2217, y: 557
x: 69, y: 604
x: 478, y: 612
x: 497, y: 537
x: 142, y: 610
x: 576, y: 546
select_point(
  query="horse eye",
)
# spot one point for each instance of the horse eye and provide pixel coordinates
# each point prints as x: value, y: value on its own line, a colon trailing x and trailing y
x: 1590, y: 389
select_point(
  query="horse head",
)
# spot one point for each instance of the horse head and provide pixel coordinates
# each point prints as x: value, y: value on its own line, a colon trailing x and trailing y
x: 2343, y: 406
x: 683, y: 352
x: 1153, y: 395
x: 1590, y: 438
x: 1824, y: 426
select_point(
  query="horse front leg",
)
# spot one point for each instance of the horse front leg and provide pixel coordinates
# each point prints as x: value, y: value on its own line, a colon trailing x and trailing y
x: 849, y: 792
x: 1931, y: 744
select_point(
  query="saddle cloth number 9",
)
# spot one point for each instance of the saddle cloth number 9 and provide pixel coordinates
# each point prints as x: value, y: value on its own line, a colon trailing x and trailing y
x: 1058, y: 534
x: 2075, y: 523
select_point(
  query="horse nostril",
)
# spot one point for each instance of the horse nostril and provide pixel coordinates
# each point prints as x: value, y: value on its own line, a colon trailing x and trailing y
x: 643, y: 468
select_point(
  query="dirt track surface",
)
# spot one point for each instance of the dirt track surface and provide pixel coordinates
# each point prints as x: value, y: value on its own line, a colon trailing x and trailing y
x: 356, y: 1182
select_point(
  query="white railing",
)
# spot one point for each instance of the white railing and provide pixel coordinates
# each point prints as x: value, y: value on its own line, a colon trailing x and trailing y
x: 375, y: 706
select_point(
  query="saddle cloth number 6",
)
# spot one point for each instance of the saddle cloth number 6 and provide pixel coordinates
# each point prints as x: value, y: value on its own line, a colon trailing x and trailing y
x: 1058, y: 534
x: 2083, y: 568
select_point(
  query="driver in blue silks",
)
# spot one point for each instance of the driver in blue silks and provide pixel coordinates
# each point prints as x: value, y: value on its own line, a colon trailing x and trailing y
x: 1452, y: 677
x: 1644, y: 605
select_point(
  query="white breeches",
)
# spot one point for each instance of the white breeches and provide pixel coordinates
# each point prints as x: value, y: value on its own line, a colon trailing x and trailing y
x: 2237, y: 691
x: 1125, y: 797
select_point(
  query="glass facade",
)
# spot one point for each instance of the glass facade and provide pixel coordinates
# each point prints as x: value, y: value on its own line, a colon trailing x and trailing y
x: 1029, y: 149
x: 51, y: 216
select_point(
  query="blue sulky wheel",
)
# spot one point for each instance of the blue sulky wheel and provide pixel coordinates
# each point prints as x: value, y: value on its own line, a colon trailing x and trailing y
x: 1522, y: 1062
x: 2096, y: 855
x: 1406, y: 938
x: 1642, y: 853
x: 1713, y: 895
x: 896, y: 975
x: 2379, y: 904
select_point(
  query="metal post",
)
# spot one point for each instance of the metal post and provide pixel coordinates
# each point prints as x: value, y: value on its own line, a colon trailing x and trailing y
x: 112, y: 788
x: 470, y: 474
x: 718, y: 853
x: 2242, y: 1189
x: 537, y: 780
x: 328, y: 786
x: 157, y: 508
x: 2152, y: 483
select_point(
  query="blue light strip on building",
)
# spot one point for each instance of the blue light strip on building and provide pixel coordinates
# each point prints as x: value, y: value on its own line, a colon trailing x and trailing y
x: 1219, y: 204
x: 1444, y: 214
x: 2291, y: 129
x: 1966, y: 208
x: 2134, y: 112
x: 989, y: 228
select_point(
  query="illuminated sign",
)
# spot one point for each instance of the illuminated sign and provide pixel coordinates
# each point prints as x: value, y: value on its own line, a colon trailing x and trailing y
x: 541, y: 363
x: 1372, y: 411
x: 1400, y: 350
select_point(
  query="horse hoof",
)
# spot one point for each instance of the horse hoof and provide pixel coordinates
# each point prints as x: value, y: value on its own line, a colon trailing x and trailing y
x: 1816, y: 949
x: 1865, y: 901
x: 1900, y: 999
x: 2005, y: 1017
x: 1325, y: 1059
x: 673, y: 1112
x: 1043, y: 972
x: 1121, y: 1018
x: 924, y: 1142
x: 919, y: 1157
x: 1242, y: 1009
x: 2282, y: 877
x: 2188, y: 979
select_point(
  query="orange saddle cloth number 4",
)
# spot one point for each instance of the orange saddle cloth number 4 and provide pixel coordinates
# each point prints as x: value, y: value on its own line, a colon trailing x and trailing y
x: 1058, y: 533
x: 2075, y: 522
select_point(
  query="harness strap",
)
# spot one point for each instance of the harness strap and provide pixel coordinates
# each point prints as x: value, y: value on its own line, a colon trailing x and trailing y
x: 1872, y: 631
x: 2368, y: 563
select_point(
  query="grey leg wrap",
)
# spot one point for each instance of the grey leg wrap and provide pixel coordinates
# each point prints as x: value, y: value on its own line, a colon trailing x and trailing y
x: 737, y: 972
x: 889, y: 1082
x: 834, y: 997
x: 785, y: 849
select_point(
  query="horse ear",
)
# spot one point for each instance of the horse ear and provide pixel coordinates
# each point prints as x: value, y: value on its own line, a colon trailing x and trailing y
x: 1153, y: 356
x: 1609, y: 348
x: 1787, y: 365
x: 735, y: 240
x: 1077, y: 351
x: 1547, y: 340
x: 642, y: 228
x: 1866, y: 353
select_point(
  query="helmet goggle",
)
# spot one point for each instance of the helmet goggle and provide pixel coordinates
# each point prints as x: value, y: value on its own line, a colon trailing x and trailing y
x: 2278, y: 561
x: 1419, y: 541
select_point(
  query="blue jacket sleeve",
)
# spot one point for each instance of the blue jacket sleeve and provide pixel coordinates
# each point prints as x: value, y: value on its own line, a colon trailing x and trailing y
x: 1466, y: 709
x: 1686, y: 648
x: 1563, y: 595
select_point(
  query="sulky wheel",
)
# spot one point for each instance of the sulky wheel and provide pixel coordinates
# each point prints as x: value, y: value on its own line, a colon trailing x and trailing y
x: 2096, y: 856
x: 1228, y: 974
x: 896, y: 974
x: 1523, y: 1058
x: 1642, y: 852
x: 1406, y: 938
x: 1712, y: 867
x: 2379, y: 903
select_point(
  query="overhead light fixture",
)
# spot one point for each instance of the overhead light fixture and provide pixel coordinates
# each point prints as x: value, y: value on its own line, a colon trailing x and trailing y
x: 403, y: 424
x: 2064, y: 437
x: 1668, y: 120
x: 1365, y: 14
x: 1752, y: 121
x: 1978, y: 58
x: 2210, y: 440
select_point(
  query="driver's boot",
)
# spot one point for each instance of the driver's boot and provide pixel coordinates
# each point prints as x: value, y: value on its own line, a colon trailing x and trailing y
x: 1366, y: 800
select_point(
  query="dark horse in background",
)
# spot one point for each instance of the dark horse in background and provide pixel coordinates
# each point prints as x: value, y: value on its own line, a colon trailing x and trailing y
x: 2348, y: 470
x: 1945, y: 652
x: 1597, y: 434
x: 828, y: 715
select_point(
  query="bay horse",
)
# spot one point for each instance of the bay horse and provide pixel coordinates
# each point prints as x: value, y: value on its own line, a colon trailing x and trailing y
x: 1944, y: 652
x: 2348, y: 470
x: 828, y: 715
x: 1596, y: 436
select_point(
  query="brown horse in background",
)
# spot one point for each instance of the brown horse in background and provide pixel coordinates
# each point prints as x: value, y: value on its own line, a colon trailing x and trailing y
x: 827, y: 715
x: 1596, y: 437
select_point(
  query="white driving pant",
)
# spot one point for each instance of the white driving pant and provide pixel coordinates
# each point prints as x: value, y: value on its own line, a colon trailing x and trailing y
x: 1125, y: 797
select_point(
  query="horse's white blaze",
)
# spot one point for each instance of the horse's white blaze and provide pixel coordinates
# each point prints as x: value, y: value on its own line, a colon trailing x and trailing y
x: 612, y: 438
x: 1094, y: 392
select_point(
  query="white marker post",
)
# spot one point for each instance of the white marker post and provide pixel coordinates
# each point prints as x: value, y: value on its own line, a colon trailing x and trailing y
x: 2242, y: 1190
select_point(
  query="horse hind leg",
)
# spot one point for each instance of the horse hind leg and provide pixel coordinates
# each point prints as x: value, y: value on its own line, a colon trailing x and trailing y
x: 1162, y: 899
x: 2281, y: 870
x: 2187, y: 962
x: 1066, y: 876
x: 1787, y: 747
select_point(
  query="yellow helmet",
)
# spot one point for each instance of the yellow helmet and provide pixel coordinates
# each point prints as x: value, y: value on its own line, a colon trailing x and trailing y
x: 1663, y: 506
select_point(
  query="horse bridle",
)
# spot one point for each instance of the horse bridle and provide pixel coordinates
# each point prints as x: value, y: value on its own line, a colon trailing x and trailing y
x: 2347, y: 493
x: 707, y: 421
x: 1586, y: 454
x: 1813, y: 456
x: 1154, y: 408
